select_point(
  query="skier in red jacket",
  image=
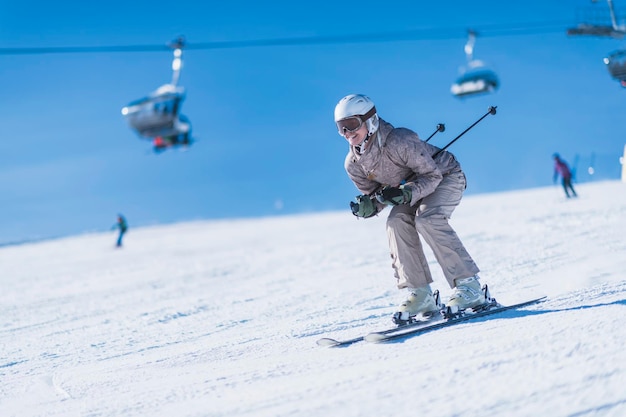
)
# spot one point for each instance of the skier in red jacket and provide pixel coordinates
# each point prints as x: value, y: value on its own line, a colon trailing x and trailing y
x: 561, y: 168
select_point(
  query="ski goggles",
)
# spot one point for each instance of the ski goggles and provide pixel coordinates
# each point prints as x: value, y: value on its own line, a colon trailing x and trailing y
x: 353, y: 123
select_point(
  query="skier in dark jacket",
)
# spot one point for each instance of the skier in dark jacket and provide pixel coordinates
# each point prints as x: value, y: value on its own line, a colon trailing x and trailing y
x: 122, y: 226
x: 561, y: 168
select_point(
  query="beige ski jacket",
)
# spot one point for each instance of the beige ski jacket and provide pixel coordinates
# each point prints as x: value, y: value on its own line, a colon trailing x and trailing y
x: 395, y: 156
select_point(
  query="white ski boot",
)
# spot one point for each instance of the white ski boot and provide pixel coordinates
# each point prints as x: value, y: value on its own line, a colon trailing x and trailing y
x: 468, y: 294
x: 420, y: 303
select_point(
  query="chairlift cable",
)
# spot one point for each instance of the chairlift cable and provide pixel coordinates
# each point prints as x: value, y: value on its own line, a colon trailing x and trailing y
x: 407, y: 35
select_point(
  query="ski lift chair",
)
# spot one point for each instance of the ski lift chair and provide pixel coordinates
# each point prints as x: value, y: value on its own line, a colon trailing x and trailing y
x: 156, y: 114
x: 600, y: 23
x: 616, y: 64
x: 476, y: 80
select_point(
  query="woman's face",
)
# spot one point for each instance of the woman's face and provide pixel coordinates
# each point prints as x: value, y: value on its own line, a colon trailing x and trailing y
x: 358, y: 136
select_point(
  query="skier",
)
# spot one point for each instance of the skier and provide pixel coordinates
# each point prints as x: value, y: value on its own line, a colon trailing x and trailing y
x: 561, y: 168
x: 122, y: 225
x: 392, y: 166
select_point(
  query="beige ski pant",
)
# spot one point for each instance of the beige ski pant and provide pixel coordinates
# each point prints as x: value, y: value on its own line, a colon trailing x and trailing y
x: 429, y: 217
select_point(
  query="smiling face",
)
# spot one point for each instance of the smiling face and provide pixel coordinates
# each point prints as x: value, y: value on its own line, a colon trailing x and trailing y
x: 356, y: 137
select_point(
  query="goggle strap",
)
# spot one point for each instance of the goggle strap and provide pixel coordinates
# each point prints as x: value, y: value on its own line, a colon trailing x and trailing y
x: 368, y: 114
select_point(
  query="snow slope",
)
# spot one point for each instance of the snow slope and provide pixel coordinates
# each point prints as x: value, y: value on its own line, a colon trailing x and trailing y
x: 220, y: 318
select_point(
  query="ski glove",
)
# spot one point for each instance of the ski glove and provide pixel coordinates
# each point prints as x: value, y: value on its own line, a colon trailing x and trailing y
x: 364, y: 206
x: 394, y: 196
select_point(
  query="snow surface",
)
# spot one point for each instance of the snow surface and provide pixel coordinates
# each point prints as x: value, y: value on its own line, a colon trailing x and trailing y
x: 221, y: 318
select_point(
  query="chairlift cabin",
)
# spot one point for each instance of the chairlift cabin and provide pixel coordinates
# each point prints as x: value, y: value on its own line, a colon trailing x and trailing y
x: 158, y: 114
x: 599, y: 23
x: 616, y: 64
x: 476, y: 78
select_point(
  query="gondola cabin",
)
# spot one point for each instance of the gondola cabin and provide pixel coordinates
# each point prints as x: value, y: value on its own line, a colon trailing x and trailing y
x: 616, y: 64
x: 157, y: 114
x: 475, y: 80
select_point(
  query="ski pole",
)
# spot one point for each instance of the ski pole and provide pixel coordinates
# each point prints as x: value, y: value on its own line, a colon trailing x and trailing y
x: 492, y: 110
x: 440, y: 128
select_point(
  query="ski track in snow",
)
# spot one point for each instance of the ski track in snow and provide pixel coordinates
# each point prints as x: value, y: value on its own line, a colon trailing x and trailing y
x: 220, y: 318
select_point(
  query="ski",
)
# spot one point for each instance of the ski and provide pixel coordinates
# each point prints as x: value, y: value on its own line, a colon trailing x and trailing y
x: 401, y: 332
x: 329, y: 342
x: 421, y: 321
x: 421, y: 326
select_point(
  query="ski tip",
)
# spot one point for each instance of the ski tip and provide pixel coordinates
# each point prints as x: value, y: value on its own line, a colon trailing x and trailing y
x: 327, y: 342
x: 535, y: 300
x: 375, y: 338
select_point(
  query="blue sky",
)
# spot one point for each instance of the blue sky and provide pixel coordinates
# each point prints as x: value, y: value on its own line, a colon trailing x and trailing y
x: 262, y: 116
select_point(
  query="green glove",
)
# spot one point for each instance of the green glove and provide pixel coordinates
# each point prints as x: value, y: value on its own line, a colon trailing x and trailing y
x: 364, y: 206
x: 394, y: 196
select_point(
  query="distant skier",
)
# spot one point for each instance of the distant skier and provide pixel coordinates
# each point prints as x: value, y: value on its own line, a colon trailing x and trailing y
x: 379, y: 160
x: 561, y: 168
x: 122, y: 225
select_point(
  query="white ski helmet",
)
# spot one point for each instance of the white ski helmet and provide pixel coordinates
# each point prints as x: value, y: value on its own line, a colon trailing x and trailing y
x: 358, y: 105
